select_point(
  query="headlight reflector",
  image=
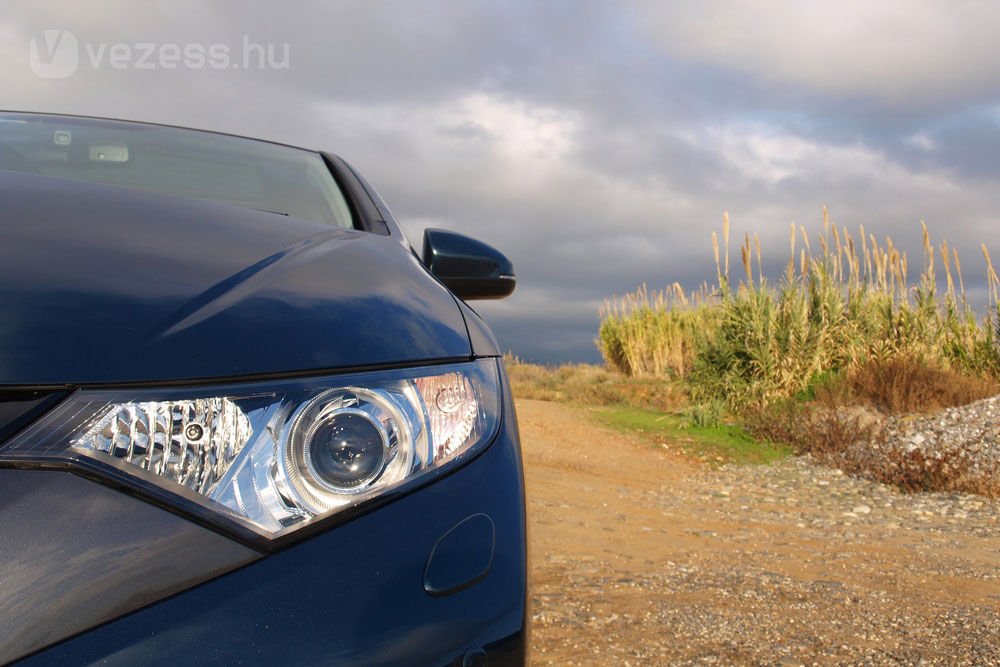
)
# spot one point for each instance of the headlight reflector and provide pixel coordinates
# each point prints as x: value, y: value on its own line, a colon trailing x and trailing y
x: 273, y: 457
x: 188, y: 442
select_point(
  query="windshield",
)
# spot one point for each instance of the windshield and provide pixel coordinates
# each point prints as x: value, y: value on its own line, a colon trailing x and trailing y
x: 187, y: 163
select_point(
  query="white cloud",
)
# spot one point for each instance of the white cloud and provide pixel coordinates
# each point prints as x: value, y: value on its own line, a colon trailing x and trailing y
x: 758, y: 152
x: 519, y: 131
x: 921, y: 141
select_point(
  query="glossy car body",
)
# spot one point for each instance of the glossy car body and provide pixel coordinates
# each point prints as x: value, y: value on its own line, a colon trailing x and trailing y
x: 109, y: 288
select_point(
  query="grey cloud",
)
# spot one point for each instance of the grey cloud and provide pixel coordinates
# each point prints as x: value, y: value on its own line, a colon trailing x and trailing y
x: 597, y: 144
x: 899, y: 52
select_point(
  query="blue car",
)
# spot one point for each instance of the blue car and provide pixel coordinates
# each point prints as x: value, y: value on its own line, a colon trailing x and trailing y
x: 242, y: 420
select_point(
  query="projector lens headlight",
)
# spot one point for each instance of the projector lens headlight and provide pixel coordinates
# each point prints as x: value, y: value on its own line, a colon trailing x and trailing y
x: 272, y: 457
x: 342, y: 442
x: 343, y: 451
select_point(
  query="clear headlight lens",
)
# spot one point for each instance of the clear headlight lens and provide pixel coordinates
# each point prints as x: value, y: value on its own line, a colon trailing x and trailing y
x: 274, y: 457
x: 191, y: 442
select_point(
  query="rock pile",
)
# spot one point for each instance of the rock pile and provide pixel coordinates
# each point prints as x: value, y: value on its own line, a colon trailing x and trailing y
x: 963, y: 441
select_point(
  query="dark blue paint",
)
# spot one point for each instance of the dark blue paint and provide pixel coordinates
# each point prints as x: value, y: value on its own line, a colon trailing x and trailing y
x: 484, y: 343
x: 462, y: 557
x: 101, y: 284
x: 76, y: 554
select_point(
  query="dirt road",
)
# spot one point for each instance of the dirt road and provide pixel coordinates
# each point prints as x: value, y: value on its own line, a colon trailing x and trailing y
x: 643, y: 556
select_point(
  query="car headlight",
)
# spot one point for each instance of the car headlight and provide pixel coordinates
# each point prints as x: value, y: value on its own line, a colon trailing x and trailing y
x: 272, y: 457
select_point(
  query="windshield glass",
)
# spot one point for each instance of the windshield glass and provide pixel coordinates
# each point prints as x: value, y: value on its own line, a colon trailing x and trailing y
x: 187, y: 163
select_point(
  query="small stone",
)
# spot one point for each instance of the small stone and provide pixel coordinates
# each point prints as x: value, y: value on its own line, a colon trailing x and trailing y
x: 862, y: 509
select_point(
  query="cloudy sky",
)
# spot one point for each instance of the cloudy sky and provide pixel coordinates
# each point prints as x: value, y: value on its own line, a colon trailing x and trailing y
x: 596, y: 143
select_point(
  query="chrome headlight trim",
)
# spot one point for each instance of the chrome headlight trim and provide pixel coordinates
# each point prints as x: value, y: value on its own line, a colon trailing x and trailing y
x: 425, y: 411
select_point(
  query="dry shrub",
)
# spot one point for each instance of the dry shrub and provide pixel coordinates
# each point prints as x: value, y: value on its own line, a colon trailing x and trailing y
x: 828, y: 433
x: 591, y: 385
x: 851, y: 438
x: 907, y: 385
x: 947, y: 470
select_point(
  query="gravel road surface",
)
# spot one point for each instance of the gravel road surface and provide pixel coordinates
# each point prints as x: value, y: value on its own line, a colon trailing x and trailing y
x: 642, y: 556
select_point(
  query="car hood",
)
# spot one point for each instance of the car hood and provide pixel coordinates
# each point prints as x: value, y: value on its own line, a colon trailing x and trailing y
x: 101, y: 284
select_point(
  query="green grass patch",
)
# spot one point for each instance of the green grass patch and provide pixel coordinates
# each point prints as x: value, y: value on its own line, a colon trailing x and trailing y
x: 724, y: 443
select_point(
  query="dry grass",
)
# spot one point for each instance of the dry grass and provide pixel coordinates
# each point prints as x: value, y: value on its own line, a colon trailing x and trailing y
x: 592, y: 385
x: 906, y: 385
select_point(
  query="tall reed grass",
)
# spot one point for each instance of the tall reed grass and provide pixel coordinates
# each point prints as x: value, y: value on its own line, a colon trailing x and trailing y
x: 657, y: 334
x: 839, y: 305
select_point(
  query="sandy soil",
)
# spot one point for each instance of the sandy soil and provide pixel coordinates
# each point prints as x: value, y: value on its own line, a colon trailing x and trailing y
x: 642, y: 556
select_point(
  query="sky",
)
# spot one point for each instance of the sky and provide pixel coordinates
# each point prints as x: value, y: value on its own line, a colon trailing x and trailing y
x: 597, y: 144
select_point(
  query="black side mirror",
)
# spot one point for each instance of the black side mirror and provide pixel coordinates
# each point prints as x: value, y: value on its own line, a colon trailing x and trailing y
x: 469, y: 268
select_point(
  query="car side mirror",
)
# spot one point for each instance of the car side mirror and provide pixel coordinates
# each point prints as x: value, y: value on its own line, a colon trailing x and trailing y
x: 469, y: 268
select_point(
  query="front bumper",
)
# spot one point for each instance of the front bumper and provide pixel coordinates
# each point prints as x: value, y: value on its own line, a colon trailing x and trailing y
x: 352, y: 595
